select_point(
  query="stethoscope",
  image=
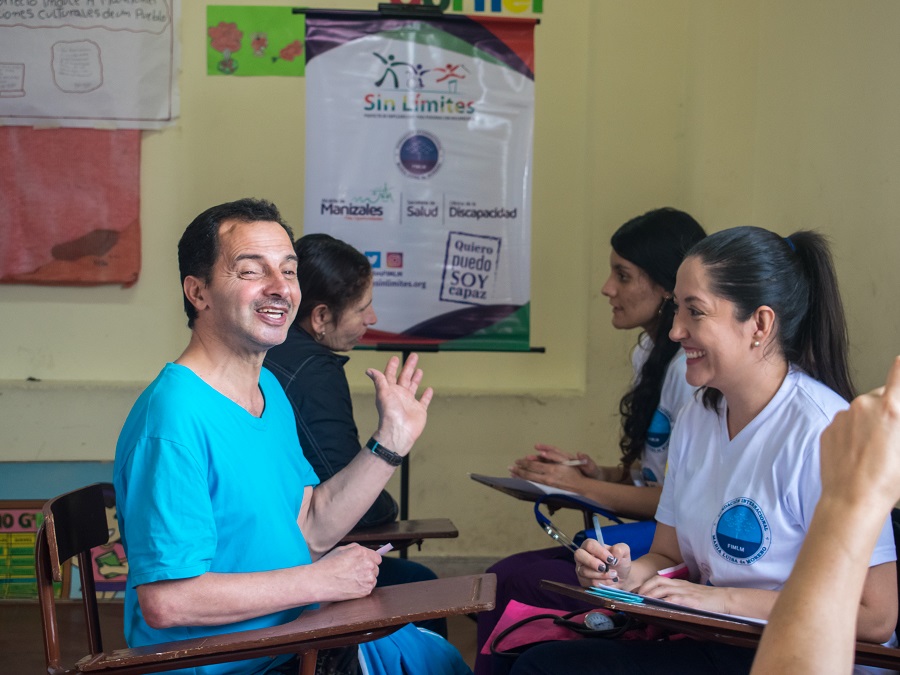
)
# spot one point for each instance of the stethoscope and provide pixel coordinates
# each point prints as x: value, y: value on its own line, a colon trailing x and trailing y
x: 555, y: 533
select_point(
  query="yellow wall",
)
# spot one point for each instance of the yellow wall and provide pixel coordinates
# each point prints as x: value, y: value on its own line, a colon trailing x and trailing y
x: 742, y: 112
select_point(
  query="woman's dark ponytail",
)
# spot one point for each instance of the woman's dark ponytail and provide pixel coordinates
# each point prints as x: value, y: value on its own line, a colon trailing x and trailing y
x: 822, y: 342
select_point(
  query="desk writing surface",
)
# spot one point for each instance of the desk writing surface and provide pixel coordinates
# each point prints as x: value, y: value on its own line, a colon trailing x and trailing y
x: 732, y: 631
x: 404, y: 531
x: 652, y: 612
x: 333, y: 624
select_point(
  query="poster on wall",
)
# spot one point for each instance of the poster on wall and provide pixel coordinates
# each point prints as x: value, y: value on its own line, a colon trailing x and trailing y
x: 19, y: 523
x: 71, y: 201
x: 247, y: 40
x: 89, y: 63
x: 418, y: 153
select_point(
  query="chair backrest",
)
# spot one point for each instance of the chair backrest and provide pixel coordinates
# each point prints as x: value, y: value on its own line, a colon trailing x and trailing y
x: 73, y: 524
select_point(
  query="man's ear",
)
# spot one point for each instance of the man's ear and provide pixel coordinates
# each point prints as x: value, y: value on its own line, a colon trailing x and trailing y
x: 195, y: 292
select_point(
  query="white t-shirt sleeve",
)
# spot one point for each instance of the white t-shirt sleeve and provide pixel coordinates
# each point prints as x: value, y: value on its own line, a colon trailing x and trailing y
x: 665, y: 512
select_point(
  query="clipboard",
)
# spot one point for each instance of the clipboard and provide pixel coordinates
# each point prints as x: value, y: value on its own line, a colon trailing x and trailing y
x: 530, y: 491
x: 609, y: 593
x: 725, y: 628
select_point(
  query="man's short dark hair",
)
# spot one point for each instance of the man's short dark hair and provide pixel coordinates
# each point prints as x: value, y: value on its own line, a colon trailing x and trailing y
x: 199, y: 245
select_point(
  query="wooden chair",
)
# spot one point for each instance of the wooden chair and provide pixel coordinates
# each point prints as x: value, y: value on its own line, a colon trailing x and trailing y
x: 75, y: 522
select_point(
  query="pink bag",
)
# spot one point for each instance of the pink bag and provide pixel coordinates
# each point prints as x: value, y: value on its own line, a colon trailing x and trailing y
x: 523, y: 625
x: 531, y: 632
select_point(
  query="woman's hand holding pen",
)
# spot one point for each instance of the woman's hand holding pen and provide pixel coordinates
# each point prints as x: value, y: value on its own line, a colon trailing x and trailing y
x: 600, y: 565
x: 552, y: 474
x: 551, y: 466
x: 553, y: 455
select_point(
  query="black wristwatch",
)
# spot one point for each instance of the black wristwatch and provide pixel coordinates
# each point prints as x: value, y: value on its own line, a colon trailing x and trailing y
x: 379, y: 450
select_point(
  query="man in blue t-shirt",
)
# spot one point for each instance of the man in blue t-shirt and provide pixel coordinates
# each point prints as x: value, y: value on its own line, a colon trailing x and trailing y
x: 222, y: 527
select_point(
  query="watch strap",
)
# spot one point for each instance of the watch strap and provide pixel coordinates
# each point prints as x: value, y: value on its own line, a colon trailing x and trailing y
x: 379, y: 450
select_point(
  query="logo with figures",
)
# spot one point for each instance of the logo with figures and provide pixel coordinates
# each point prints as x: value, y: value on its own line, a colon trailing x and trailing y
x: 400, y: 74
x: 741, y: 532
x: 408, y: 88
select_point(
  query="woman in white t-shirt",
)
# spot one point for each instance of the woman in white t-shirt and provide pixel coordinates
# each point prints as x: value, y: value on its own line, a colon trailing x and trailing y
x: 761, y: 323
x: 646, y: 253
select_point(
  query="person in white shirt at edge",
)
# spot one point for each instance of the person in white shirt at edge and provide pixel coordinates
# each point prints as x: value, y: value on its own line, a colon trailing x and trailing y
x: 812, y: 628
x: 762, y: 325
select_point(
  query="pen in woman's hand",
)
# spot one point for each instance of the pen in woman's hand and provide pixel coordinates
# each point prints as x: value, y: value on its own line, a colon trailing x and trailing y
x: 598, y: 535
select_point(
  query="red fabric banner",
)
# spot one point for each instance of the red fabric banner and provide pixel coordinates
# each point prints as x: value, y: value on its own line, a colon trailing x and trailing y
x: 69, y: 206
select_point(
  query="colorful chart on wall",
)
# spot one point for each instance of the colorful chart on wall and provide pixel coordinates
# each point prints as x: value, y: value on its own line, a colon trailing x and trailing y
x: 19, y: 523
x: 418, y: 153
x: 247, y: 41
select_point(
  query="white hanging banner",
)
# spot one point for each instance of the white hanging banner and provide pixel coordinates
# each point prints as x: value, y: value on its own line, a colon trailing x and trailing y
x: 418, y: 153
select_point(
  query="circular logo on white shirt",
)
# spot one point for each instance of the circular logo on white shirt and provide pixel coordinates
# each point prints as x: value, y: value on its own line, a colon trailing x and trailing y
x: 741, y: 533
x: 659, y: 431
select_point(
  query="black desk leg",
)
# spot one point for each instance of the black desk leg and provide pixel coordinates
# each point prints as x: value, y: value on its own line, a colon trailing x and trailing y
x: 404, y: 478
